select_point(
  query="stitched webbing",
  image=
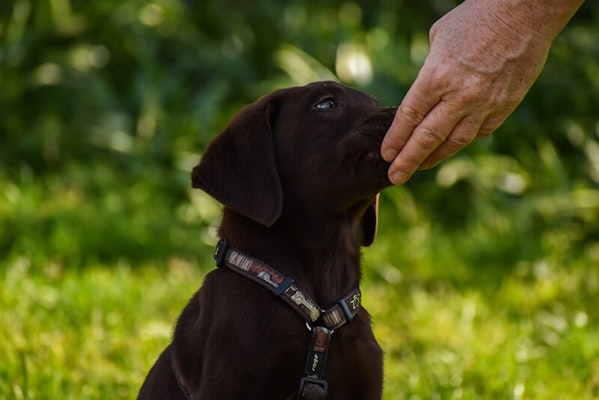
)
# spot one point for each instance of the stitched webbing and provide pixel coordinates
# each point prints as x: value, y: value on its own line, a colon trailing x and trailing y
x: 284, y: 287
x: 313, y: 386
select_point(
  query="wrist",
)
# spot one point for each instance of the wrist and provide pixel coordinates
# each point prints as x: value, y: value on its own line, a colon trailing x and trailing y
x: 546, y: 18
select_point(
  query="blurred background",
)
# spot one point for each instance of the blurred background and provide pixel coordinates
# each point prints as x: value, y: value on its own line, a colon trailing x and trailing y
x: 483, y: 282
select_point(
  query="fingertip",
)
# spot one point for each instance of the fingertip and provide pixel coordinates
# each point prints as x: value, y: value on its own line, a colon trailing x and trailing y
x: 389, y: 154
x: 392, y: 143
x: 398, y: 177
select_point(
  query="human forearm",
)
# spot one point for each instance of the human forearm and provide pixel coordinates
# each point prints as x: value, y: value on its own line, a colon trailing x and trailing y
x: 545, y: 17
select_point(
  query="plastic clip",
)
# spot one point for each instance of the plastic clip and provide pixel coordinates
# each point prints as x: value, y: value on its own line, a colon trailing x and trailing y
x: 220, y: 252
x: 312, y: 389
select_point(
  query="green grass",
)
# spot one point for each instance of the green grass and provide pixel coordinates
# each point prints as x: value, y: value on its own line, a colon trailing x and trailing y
x: 529, y: 338
x: 94, y: 333
x: 89, y: 334
x: 456, y: 316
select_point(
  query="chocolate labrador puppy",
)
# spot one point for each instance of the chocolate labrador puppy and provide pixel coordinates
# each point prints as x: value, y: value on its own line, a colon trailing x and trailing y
x: 298, y: 173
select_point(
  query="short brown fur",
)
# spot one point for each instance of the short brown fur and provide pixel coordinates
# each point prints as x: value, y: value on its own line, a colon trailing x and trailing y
x: 299, y: 173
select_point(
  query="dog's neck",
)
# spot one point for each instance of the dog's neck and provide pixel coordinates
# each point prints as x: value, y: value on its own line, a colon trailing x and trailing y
x: 321, y: 254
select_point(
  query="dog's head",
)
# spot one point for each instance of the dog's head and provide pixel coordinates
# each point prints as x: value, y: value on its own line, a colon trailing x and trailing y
x: 315, y: 146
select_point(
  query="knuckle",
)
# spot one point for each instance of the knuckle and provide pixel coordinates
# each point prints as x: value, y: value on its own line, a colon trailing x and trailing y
x: 411, y: 115
x: 472, y: 92
x: 460, y: 141
x: 430, y: 138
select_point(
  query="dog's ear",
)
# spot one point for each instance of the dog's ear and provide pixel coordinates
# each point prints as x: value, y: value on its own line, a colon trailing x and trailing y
x: 239, y: 169
x: 369, y: 222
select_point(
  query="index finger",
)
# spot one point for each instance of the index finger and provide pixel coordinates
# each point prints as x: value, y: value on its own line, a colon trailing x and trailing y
x: 431, y: 133
x: 413, y: 109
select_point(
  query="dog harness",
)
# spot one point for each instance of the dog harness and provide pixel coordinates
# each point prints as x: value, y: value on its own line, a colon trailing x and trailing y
x: 320, y: 322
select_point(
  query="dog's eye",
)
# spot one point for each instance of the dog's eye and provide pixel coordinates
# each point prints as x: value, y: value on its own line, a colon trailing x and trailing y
x: 326, y: 104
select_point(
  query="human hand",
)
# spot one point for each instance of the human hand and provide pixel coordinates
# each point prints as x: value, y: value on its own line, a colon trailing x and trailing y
x: 482, y: 62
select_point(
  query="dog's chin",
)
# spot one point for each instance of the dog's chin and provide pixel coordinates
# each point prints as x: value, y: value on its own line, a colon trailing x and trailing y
x: 370, y: 161
x: 373, y: 157
x: 372, y: 168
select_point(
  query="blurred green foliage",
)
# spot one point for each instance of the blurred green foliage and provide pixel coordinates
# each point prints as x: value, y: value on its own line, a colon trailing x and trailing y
x: 105, y: 106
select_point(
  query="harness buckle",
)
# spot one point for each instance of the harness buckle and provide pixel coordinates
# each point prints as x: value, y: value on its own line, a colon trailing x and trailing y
x: 283, y: 286
x: 220, y: 252
x: 346, y: 310
x: 312, y: 389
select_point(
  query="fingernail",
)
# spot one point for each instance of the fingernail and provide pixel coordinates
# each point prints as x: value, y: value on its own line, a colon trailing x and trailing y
x: 389, y: 154
x: 398, y: 178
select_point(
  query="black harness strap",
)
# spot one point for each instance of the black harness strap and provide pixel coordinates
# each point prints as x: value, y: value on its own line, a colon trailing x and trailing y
x: 342, y: 312
x: 313, y: 386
